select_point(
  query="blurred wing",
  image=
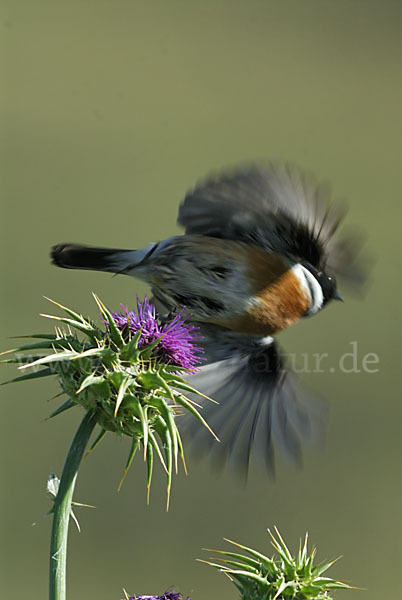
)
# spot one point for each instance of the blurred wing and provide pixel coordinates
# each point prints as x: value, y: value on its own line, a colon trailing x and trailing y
x: 277, y: 207
x: 261, y: 410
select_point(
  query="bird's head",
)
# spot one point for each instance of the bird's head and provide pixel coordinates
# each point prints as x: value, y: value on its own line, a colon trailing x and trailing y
x: 322, y: 287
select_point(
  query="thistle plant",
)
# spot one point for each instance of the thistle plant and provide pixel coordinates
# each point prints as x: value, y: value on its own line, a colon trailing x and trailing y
x: 128, y: 373
x: 282, y: 577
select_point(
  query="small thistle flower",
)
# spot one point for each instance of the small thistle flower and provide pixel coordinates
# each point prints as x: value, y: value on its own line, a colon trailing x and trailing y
x: 166, y: 596
x: 130, y: 374
x: 284, y: 577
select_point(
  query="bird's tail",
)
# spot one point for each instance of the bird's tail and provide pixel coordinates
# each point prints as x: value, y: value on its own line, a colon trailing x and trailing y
x: 112, y: 260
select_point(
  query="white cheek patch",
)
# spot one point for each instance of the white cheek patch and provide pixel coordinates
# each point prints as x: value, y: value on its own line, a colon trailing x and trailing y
x: 311, y: 286
x: 266, y: 341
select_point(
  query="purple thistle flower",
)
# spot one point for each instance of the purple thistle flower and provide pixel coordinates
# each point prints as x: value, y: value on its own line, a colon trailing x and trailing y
x: 166, y: 596
x: 177, y: 338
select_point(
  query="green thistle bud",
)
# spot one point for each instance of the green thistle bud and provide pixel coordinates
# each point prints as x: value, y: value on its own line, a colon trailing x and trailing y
x: 282, y: 577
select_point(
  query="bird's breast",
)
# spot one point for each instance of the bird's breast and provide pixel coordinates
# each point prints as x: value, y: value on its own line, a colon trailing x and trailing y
x: 278, y: 297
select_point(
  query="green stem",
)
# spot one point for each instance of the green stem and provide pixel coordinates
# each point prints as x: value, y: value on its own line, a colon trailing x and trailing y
x: 62, y: 509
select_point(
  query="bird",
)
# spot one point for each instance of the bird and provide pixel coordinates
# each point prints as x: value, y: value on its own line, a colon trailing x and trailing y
x: 261, y: 250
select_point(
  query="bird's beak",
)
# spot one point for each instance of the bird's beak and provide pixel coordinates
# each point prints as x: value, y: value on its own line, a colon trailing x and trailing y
x: 337, y: 296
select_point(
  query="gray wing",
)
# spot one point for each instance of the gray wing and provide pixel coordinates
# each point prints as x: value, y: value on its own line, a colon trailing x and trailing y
x: 261, y: 409
x: 277, y: 207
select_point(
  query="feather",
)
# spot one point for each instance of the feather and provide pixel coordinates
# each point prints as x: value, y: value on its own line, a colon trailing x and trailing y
x: 261, y: 410
x: 277, y: 207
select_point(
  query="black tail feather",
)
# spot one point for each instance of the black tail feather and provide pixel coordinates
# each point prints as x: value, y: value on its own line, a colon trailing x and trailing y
x: 77, y: 256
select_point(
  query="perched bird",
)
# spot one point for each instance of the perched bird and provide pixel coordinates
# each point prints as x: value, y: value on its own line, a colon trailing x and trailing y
x: 259, y: 253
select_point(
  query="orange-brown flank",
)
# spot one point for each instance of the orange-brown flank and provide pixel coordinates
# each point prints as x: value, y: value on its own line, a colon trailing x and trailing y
x: 280, y: 299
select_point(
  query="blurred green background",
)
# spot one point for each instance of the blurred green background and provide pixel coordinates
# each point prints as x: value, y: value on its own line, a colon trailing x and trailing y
x: 110, y: 112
